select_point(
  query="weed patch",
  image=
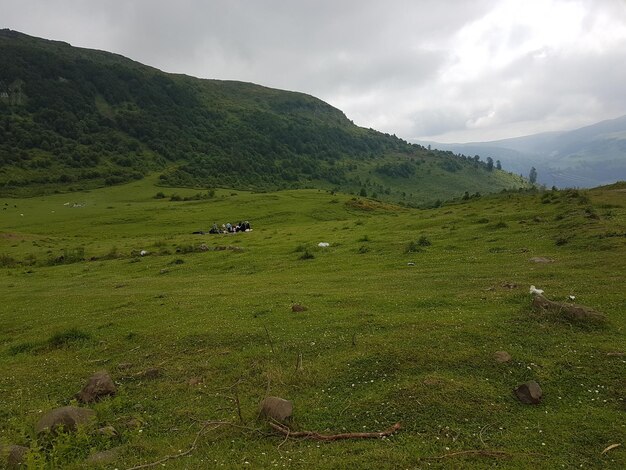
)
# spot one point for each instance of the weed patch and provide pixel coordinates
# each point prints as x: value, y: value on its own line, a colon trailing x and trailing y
x: 21, y: 348
x: 307, y: 255
x: 67, y: 338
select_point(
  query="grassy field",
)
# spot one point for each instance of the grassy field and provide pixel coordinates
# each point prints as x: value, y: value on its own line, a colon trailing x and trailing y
x: 382, y: 341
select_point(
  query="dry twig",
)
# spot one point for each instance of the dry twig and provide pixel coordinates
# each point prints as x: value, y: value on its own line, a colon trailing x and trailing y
x: 216, y: 424
x: 482, y: 453
x: 333, y: 437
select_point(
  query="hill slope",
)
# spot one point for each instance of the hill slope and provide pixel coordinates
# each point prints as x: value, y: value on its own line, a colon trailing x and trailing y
x: 590, y: 156
x: 76, y: 118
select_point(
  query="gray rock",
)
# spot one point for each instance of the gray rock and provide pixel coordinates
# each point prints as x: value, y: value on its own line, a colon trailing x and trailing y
x: 529, y: 393
x: 104, y: 457
x: 502, y: 356
x: 153, y: 373
x: 13, y: 456
x: 275, y: 408
x: 68, y: 417
x: 98, y: 386
x: 567, y: 310
x: 109, y: 431
x: 134, y: 423
x: 194, y: 381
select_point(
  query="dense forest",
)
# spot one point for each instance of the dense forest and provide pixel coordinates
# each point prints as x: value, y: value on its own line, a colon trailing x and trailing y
x: 72, y: 118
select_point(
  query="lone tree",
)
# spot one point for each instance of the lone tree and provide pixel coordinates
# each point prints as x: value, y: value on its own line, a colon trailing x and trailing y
x: 498, y: 165
x: 532, y: 176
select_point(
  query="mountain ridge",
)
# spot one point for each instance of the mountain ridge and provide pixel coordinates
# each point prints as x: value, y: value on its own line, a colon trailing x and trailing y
x: 587, y: 156
x: 73, y: 118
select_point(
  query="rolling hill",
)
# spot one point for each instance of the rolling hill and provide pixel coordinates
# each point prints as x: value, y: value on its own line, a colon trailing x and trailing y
x: 73, y: 118
x: 590, y: 156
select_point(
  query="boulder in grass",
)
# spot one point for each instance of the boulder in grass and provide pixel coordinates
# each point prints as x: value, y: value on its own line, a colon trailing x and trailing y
x: 13, y: 456
x: 275, y: 408
x: 298, y: 308
x: 98, y: 386
x: 529, y: 393
x: 567, y: 310
x: 67, y: 417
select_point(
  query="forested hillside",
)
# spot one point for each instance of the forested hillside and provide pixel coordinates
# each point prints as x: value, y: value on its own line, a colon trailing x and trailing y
x: 74, y: 118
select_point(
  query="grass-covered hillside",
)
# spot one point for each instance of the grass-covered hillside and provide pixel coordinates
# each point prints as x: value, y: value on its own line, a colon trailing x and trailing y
x: 405, y: 310
x: 74, y: 118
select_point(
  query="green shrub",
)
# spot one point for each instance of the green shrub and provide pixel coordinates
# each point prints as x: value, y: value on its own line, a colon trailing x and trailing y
x: 7, y: 261
x: 412, y: 247
x: 423, y: 241
x: 21, y: 348
x: 307, y: 255
x: 67, y: 338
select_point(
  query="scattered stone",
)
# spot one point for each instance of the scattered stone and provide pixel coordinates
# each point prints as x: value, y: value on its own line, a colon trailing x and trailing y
x: 275, y: 408
x: 13, y: 456
x: 228, y: 248
x: 618, y: 354
x: 108, y: 431
x: 192, y: 382
x: 124, y: 365
x: 410, y: 263
x: 164, y: 271
x: 203, y: 247
x: 432, y: 381
x: 567, y: 310
x: 134, y: 423
x: 502, y: 356
x: 98, y: 386
x: 529, y: 393
x: 69, y: 417
x: 298, y: 308
x: 104, y: 457
x: 539, y: 259
x: 509, y: 285
x: 153, y: 373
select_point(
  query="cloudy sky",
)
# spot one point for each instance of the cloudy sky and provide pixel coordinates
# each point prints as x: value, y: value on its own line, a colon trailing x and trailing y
x: 445, y: 70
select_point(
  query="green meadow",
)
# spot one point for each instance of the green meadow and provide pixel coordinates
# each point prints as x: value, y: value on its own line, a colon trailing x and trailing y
x: 405, y: 310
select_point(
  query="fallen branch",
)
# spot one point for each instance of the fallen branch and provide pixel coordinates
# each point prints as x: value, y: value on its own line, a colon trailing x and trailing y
x: 482, y: 453
x: 216, y: 424
x: 333, y: 437
x: 194, y: 444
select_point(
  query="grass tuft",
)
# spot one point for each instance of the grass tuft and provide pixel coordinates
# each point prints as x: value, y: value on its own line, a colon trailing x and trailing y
x: 67, y: 338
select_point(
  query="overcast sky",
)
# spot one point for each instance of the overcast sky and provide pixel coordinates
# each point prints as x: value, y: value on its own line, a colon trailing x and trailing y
x: 445, y: 70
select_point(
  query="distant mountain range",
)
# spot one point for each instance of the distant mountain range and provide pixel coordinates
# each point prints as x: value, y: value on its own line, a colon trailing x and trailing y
x: 590, y: 156
x: 73, y: 118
